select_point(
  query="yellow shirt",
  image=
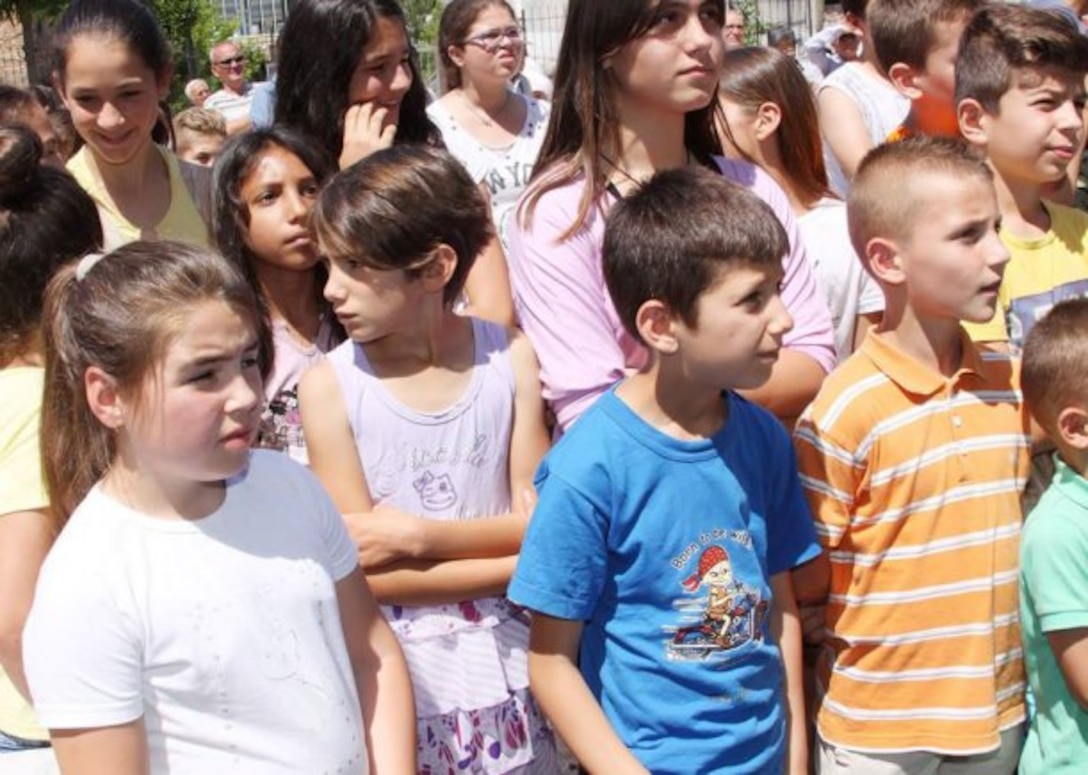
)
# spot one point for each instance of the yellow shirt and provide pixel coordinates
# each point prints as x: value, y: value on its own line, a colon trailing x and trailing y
x: 22, y: 488
x: 181, y: 222
x: 1041, y: 272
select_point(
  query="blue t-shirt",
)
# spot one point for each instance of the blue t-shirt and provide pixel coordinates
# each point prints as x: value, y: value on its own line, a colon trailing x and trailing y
x: 665, y: 548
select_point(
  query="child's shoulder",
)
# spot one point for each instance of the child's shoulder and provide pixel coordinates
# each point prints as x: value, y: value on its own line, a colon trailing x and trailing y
x: 1069, y: 224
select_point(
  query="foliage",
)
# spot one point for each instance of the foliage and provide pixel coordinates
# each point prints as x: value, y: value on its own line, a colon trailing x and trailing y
x: 192, y: 27
x: 423, y: 17
x: 754, y: 26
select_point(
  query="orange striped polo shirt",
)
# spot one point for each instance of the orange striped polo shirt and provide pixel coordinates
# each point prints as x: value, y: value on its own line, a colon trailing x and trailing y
x: 914, y: 480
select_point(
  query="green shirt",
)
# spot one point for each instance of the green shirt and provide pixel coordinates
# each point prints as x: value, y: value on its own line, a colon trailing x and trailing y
x: 1054, y: 597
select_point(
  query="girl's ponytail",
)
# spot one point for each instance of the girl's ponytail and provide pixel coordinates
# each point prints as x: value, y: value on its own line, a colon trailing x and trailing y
x: 76, y: 448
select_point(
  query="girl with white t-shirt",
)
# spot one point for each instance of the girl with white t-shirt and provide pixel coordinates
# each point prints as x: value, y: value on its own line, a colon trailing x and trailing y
x: 487, y: 126
x: 203, y: 610
x: 266, y: 183
x: 770, y: 119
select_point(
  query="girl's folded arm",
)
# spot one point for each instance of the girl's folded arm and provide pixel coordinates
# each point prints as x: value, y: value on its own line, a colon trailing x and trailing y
x: 426, y: 582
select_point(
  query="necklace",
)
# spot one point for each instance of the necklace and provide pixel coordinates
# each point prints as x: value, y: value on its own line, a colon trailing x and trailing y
x: 482, y: 115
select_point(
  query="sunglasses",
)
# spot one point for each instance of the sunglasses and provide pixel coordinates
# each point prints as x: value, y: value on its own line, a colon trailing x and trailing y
x: 491, y: 40
x: 240, y: 59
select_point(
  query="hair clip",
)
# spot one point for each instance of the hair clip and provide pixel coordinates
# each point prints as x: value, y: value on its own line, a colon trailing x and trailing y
x: 86, y: 264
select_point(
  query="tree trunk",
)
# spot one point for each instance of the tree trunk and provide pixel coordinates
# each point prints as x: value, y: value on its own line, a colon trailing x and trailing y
x: 37, y: 67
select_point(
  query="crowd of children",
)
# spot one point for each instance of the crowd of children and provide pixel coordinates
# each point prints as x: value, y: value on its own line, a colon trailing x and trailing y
x: 683, y: 424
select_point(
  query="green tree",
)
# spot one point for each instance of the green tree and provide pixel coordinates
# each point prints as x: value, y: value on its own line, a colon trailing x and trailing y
x: 423, y: 17
x: 192, y: 27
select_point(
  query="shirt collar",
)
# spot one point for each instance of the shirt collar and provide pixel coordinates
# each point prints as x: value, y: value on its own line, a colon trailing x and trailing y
x: 1072, y: 485
x: 912, y: 375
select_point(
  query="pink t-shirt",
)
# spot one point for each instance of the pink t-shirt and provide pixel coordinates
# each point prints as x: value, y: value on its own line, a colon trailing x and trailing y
x: 566, y: 311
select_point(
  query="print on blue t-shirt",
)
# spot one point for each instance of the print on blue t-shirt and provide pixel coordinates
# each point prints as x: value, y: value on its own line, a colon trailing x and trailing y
x: 730, y: 613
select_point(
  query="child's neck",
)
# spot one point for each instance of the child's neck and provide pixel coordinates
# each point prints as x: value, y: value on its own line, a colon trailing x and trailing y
x: 292, y: 298
x: 672, y: 404
x: 649, y: 141
x: 1023, y: 213
x: 122, y: 180
x: 434, y: 338
x: 935, y: 343
x: 1076, y: 459
x: 492, y: 97
x: 157, y: 496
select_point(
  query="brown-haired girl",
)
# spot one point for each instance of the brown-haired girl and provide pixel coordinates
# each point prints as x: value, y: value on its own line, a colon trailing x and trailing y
x: 770, y: 119
x: 46, y: 220
x: 635, y: 93
x: 490, y: 128
x: 203, y: 610
x: 426, y: 428
x: 113, y: 71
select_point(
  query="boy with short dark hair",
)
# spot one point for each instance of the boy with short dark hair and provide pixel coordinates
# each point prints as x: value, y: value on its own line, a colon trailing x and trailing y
x: 913, y: 455
x: 665, y: 636
x: 1020, y: 96
x: 916, y: 42
x: 1053, y: 567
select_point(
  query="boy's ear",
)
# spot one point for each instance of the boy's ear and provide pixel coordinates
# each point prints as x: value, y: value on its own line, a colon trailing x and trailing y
x: 103, y: 398
x: 655, y: 323
x: 768, y: 119
x: 882, y: 256
x: 437, y: 272
x: 1073, y: 427
x: 972, y: 120
x: 904, y: 79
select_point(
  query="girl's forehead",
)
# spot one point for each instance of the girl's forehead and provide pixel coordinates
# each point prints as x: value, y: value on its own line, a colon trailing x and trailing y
x: 98, y: 53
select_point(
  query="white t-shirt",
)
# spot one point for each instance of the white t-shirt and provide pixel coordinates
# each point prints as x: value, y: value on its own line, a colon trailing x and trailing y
x: 233, y: 106
x: 505, y: 171
x: 881, y: 106
x: 223, y: 633
x: 849, y: 289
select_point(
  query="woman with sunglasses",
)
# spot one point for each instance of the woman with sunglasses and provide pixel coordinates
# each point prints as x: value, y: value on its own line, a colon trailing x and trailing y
x: 492, y: 130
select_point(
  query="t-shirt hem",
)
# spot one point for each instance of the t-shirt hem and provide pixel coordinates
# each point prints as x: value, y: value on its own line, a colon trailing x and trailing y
x: 536, y: 599
x: 84, y: 718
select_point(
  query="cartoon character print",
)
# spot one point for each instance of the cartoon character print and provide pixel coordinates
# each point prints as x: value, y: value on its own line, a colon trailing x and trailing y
x: 733, y: 613
x: 435, y: 492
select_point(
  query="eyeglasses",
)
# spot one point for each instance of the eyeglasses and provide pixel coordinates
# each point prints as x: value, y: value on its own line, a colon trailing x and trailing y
x: 238, y: 60
x: 491, y: 40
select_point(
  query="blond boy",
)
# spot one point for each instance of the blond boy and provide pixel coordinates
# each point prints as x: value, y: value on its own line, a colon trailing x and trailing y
x: 913, y: 456
x: 199, y: 134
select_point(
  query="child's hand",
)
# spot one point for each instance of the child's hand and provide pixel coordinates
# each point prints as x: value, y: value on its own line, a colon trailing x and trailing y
x: 365, y: 131
x: 384, y: 535
x: 813, y: 623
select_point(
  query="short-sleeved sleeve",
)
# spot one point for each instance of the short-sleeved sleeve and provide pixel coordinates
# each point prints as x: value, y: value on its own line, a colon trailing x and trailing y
x: 341, y: 554
x: 563, y: 562
x: 563, y: 306
x: 81, y: 649
x: 1055, y: 572
x: 791, y: 538
x: 828, y: 476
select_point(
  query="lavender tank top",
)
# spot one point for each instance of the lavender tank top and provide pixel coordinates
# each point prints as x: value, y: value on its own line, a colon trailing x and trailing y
x: 446, y: 465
